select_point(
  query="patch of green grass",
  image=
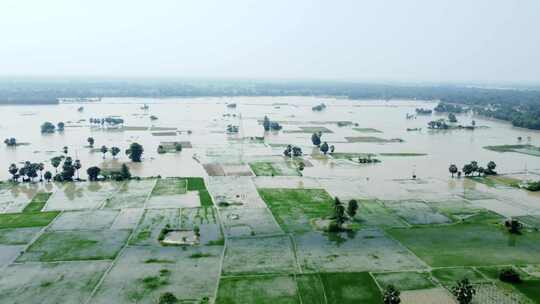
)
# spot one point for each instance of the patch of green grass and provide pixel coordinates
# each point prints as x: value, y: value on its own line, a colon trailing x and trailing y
x: 295, y: 208
x: 206, y: 198
x: 372, y: 213
x: 310, y: 288
x: 449, y: 276
x: 497, y: 180
x: 20, y: 220
x: 264, y: 169
x: 257, y: 290
x: 530, y: 288
x: 367, y: 130
x: 470, y: 244
x: 170, y: 186
x: 76, y: 245
x: 38, y: 202
x: 195, y: 184
x: 492, y: 272
x: 405, y: 280
x: 350, y: 288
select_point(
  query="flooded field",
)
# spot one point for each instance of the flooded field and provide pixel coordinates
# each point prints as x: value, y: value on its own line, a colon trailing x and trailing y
x: 229, y: 219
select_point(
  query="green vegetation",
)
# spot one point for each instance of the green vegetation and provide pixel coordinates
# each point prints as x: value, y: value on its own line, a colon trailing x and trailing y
x: 295, y: 208
x: 370, y: 139
x: 524, y: 149
x: 530, y: 288
x: 310, y: 288
x: 405, y: 280
x: 264, y: 169
x: 257, y: 290
x: 76, y: 245
x: 38, y: 202
x: 402, y: 154
x: 367, y: 130
x: 448, y: 276
x: 170, y: 186
x: 17, y: 236
x: 469, y: 244
x: 350, y: 288
x: 20, y: 220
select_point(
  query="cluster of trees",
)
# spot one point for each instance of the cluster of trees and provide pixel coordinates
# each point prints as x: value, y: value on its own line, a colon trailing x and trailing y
x: 452, y: 118
x: 422, y: 111
x: 49, y: 127
x: 113, y: 150
x: 11, y: 142
x: 232, y: 129
x: 271, y: 125
x: 342, y: 214
x: 318, y: 108
x: 324, y: 147
x: 444, y: 107
x: 472, y: 167
x: 533, y: 186
x: 293, y: 151
x: 117, y: 175
x: 135, y: 152
x: 29, y: 172
x: 439, y: 124
x: 109, y: 121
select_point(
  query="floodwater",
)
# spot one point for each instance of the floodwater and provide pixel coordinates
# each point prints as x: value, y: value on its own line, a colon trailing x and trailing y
x: 205, y: 118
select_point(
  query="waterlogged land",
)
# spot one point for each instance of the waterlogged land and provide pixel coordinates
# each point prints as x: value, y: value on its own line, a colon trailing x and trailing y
x: 261, y: 221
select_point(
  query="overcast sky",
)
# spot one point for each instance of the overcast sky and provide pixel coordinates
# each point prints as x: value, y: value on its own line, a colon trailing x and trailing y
x: 431, y: 40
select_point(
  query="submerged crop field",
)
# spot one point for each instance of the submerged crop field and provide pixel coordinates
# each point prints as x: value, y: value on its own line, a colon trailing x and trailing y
x: 328, y: 206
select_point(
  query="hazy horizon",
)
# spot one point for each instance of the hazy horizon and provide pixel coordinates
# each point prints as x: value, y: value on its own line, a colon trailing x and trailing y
x: 398, y: 41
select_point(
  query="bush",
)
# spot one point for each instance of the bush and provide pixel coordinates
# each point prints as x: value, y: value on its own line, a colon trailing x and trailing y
x: 509, y: 275
x: 167, y: 298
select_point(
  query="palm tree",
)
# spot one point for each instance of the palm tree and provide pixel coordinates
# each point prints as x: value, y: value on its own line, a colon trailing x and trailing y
x: 77, y: 165
x: 453, y: 169
x: 41, y: 167
x: 104, y: 150
x: 55, y: 162
x: 115, y: 151
x: 463, y: 291
x: 324, y: 148
x: 90, y: 141
x: 65, y: 150
x: 391, y: 295
x: 48, y: 176
x: 13, y: 171
x: 474, y: 166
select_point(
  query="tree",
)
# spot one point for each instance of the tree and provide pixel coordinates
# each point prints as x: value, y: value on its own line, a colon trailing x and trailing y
x: 474, y: 166
x: 324, y: 148
x: 266, y: 123
x: 481, y: 171
x: 55, y: 162
x: 124, y: 172
x: 65, y: 150
x: 104, y: 150
x: 68, y: 170
x: 297, y: 151
x: 453, y: 169
x: 115, y: 151
x: 90, y: 141
x: 352, y: 208
x: 288, y: 151
x: 463, y: 291
x: 339, y: 212
x: 513, y: 225
x: 332, y: 149
x: 60, y: 126
x: 13, y: 170
x: 167, y: 298
x: 40, y: 168
x: 10, y: 142
x: 93, y: 173
x: 77, y: 166
x: 135, y: 152
x: 467, y: 169
x: 47, y: 127
x: 178, y: 147
x: 316, y: 139
x: 452, y: 117
x: 47, y: 176
x: 391, y: 295
x: 491, y: 168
